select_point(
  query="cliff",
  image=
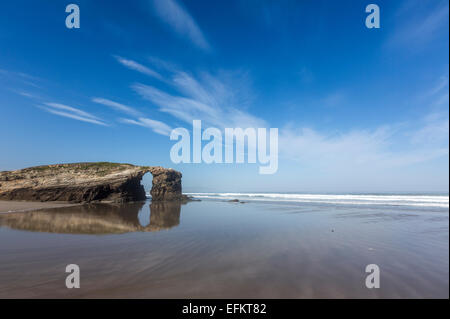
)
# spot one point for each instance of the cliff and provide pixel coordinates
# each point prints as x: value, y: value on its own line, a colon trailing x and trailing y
x: 87, y: 182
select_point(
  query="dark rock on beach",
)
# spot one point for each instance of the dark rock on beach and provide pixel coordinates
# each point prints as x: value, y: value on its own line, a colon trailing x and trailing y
x: 236, y: 201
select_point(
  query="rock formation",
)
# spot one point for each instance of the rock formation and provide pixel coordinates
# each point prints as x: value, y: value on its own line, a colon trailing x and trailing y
x: 166, y: 184
x: 87, y: 182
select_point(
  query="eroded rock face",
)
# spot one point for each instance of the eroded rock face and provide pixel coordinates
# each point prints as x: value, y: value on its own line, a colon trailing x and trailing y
x: 87, y: 182
x: 166, y: 184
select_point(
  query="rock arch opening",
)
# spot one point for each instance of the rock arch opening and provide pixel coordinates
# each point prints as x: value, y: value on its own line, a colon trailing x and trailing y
x: 146, y: 182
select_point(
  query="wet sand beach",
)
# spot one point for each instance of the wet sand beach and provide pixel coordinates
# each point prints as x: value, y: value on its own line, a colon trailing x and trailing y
x: 20, y: 206
x: 220, y: 249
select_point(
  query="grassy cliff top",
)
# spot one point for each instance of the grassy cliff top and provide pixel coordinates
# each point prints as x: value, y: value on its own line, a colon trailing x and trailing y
x: 81, y: 166
x: 88, y: 168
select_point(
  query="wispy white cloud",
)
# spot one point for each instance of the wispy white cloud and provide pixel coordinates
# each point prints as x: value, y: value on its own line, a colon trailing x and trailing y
x: 117, y: 106
x: 156, y: 126
x: 25, y: 93
x: 440, y: 85
x: 419, y: 24
x: 71, y: 109
x: 183, y: 108
x: 19, y: 74
x: 440, y: 93
x: 365, y: 151
x: 442, y: 99
x: 72, y: 112
x: 216, y: 100
x: 434, y: 132
x: 172, y: 13
x: 371, y: 152
x: 162, y: 64
x: 435, y: 125
x: 436, y: 95
x: 133, y: 65
x: 21, y: 77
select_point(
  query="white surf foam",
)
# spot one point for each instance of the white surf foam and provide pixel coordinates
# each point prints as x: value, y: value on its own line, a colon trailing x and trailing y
x: 348, y: 199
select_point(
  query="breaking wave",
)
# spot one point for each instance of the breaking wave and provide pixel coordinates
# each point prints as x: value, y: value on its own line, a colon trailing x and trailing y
x: 346, y: 199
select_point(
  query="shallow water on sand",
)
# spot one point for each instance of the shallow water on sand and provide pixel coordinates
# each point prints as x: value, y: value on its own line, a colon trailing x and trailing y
x: 218, y: 249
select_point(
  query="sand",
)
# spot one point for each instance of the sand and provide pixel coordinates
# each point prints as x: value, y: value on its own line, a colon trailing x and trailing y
x: 215, y: 249
x: 7, y: 206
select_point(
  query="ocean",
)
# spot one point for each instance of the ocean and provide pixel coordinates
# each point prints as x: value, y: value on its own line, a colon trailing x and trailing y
x: 399, y: 200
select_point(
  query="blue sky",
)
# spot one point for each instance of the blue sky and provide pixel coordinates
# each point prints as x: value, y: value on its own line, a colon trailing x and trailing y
x: 360, y: 110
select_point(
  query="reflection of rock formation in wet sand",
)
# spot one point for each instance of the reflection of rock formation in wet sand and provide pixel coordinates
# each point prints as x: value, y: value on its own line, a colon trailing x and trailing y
x: 164, y: 215
x: 87, y: 182
x: 95, y: 219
